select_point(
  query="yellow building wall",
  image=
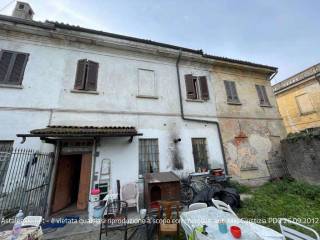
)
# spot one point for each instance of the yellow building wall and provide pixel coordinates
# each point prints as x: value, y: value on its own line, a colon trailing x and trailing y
x: 299, y: 117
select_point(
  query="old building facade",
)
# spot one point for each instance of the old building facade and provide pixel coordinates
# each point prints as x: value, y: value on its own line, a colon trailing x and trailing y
x: 298, y: 99
x: 115, y: 107
x: 249, y: 119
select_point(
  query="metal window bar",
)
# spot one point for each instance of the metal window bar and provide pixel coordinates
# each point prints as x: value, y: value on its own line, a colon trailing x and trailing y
x: 200, y: 156
x: 148, y: 156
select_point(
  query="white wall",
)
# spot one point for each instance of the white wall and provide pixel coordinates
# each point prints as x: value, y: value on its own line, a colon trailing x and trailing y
x: 49, y: 79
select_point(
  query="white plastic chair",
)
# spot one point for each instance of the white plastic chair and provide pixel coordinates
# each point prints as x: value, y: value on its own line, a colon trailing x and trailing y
x: 293, y: 234
x: 196, y: 206
x: 187, y: 229
x: 223, y: 206
x: 130, y: 194
x: 33, y: 221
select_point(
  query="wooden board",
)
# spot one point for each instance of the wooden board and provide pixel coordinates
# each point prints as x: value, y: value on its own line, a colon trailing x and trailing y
x: 84, y: 185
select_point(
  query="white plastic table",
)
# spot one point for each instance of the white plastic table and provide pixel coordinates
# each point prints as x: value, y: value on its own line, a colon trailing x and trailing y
x: 210, y: 217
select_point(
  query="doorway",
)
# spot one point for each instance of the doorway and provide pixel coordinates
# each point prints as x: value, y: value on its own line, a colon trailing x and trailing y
x: 72, y: 182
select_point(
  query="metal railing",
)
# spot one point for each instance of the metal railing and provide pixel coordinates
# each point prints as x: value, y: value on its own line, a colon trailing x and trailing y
x: 24, y: 181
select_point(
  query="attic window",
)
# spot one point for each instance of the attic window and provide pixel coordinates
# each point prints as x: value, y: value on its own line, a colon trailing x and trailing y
x: 21, y: 6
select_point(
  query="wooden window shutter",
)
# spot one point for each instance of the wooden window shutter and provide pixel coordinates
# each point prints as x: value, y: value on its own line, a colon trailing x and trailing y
x: 227, y: 86
x: 92, y: 76
x: 18, y: 66
x: 260, y: 95
x: 80, y: 75
x: 191, y: 91
x: 234, y: 92
x: 204, y: 88
x: 265, y: 95
x: 5, y: 60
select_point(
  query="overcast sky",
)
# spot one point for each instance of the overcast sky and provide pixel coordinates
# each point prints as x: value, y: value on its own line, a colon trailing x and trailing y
x: 280, y: 33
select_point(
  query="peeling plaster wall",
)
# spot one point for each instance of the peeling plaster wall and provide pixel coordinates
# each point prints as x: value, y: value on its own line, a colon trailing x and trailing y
x: 251, y: 134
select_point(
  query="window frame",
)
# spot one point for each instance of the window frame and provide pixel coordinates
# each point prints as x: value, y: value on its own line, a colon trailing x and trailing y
x: 204, y: 142
x: 235, y: 100
x: 299, y: 105
x: 198, y: 92
x: 85, y: 76
x: 140, y: 94
x: 146, y: 152
x: 10, y: 68
x: 265, y: 97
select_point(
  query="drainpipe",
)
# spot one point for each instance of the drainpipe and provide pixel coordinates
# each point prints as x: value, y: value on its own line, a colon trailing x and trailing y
x: 199, y: 120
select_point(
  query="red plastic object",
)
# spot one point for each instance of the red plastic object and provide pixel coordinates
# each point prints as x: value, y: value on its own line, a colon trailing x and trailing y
x: 235, y: 231
x: 95, y: 191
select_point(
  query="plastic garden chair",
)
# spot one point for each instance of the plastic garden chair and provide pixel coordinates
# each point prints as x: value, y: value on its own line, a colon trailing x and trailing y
x: 290, y: 233
x: 223, y: 206
x: 196, y: 206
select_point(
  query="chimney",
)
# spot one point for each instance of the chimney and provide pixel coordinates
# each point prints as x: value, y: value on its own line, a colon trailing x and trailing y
x: 23, y: 10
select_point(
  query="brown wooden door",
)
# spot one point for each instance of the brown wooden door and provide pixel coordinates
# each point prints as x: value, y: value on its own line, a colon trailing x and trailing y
x: 84, y: 185
x: 64, y: 181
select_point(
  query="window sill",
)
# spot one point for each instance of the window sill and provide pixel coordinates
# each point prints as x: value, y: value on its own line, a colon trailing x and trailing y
x: 307, y: 113
x: 234, y: 103
x: 195, y: 100
x: 11, y: 86
x: 85, y: 92
x: 146, y: 96
x: 249, y: 169
x: 267, y: 106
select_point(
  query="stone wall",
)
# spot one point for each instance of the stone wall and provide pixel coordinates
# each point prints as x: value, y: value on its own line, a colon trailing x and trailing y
x: 303, y: 158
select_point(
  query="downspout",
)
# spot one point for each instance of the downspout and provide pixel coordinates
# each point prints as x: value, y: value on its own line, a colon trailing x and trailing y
x: 198, y: 120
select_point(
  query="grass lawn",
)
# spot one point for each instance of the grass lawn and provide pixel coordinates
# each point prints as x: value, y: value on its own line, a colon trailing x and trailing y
x: 283, y: 198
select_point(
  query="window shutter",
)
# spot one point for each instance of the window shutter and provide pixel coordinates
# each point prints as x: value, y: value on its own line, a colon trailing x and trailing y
x: 16, y: 75
x: 260, y: 94
x: 4, y: 65
x: 234, y: 93
x: 204, y: 88
x: 191, y: 91
x: 92, y: 76
x: 228, y: 90
x: 265, y: 95
x: 80, y: 75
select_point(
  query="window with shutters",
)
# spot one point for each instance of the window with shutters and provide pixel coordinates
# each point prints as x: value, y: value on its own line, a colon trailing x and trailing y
x: 200, y: 157
x: 12, y: 66
x: 87, y: 75
x: 262, y: 95
x: 148, y: 156
x: 231, y: 91
x: 197, y: 87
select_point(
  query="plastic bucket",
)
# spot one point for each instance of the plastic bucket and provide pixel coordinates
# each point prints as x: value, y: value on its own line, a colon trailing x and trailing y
x: 98, y: 211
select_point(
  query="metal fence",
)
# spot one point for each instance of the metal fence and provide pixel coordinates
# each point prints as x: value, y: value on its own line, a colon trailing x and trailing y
x: 277, y: 168
x: 24, y: 181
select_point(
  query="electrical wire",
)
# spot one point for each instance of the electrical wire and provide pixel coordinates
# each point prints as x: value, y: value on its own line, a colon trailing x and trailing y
x: 7, y: 5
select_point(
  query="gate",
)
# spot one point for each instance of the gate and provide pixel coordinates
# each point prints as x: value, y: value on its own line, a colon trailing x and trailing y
x: 25, y: 182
